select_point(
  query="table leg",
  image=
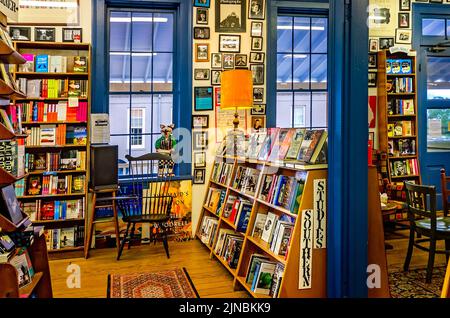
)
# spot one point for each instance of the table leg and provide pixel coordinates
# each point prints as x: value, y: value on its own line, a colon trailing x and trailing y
x: 116, y: 224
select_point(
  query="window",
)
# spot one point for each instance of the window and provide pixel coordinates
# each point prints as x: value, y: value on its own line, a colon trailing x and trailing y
x: 302, y: 71
x: 141, y: 81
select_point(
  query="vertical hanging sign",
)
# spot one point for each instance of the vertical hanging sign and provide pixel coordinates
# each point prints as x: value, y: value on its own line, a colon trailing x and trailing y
x: 10, y: 8
x: 306, y: 238
x: 320, y: 213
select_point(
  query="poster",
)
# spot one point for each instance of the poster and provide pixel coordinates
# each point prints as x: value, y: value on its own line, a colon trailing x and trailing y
x: 372, y: 111
x: 383, y: 17
x: 100, y: 132
x: 231, y: 16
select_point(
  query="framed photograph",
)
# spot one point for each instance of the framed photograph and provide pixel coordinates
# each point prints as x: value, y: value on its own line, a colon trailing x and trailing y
x: 20, y: 33
x: 200, y: 121
x: 403, y: 36
x: 405, y: 5
x: 373, y: 60
x: 228, y: 61
x: 72, y: 35
x: 202, y: 3
x: 200, y: 140
x: 256, y: 57
x: 201, y: 74
x: 201, y: 52
x: 203, y: 99
x: 199, y: 159
x: 199, y: 176
x: 202, y: 16
x: 217, y: 96
x: 257, y: 43
x: 57, y: 12
x: 44, y: 34
x: 229, y: 43
x: 258, y: 109
x: 403, y: 20
x: 258, y: 73
x: 373, y: 45
x: 240, y: 60
x: 215, y: 77
x: 216, y: 60
x: 386, y: 43
x: 257, y: 29
x: 436, y: 1
x: 231, y: 16
x: 201, y: 33
x: 256, y: 9
x: 373, y: 79
x: 258, y: 122
x: 258, y: 94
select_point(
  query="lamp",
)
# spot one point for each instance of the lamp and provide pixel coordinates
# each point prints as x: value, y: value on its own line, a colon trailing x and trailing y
x: 236, y: 92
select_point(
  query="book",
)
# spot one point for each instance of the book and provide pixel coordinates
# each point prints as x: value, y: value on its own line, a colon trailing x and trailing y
x: 268, y: 143
x: 296, y: 143
x: 264, y: 278
x: 255, y: 259
x: 255, y: 143
x: 28, y: 67
x: 275, y: 153
x: 80, y: 64
x: 243, y: 218
x: 312, y: 144
x: 269, y: 227
x: 42, y: 63
x: 21, y: 262
x: 47, y: 135
x: 67, y: 237
x: 10, y: 207
x: 34, y: 185
x: 258, y: 227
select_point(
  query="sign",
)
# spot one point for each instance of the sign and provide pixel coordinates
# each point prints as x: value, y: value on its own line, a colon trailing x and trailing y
x: 10, y: 8
x: 320, y: 213
x: 305, y: 265
x: 100, y: 129
x: 434, y: 128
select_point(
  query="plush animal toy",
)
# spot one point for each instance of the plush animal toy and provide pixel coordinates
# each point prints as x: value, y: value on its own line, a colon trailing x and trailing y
x: 165, y: 145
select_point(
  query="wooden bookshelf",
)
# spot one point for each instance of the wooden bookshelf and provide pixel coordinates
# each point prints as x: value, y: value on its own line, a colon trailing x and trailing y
x: 289, y: 284
x: 50, y: 74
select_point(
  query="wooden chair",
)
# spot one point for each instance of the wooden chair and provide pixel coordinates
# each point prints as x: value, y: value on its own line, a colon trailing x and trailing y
x: 422, y: 217
x: 149, y: 200
x: 445, y: 180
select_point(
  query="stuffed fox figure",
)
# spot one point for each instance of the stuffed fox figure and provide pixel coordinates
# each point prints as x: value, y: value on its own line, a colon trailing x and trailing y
x: 165, y: 145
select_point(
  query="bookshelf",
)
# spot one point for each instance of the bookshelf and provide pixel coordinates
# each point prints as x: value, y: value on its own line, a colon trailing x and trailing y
x: 56, y: 101
x: 255, y: 245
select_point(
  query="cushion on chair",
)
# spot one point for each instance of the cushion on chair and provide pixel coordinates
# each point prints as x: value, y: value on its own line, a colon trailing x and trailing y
x: 442, y: 224
x: 146, y: 218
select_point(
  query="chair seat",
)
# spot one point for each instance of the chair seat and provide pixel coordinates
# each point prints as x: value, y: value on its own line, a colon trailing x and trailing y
x: 146, y: 218
x: 442, y: 224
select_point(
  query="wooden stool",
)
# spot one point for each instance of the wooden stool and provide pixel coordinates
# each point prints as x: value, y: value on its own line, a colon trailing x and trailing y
x: 91, y: 222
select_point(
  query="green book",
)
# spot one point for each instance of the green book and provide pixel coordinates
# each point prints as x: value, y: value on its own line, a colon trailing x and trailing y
x: 296, y: 144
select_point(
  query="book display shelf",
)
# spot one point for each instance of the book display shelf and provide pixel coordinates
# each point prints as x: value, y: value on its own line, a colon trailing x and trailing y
x: 54, y: 112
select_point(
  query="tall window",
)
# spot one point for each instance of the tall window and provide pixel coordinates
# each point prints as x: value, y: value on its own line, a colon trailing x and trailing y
x: 302, y: 58
x: 141, y: 88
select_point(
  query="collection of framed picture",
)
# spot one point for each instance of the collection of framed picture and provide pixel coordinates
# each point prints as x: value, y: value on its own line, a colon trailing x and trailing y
x: 45, y: 34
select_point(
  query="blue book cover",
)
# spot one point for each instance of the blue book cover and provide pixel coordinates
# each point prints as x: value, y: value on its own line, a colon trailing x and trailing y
x: 255, y: 276
x: 42, y: 63
x: 244, y: 218
x: 279, y: 190
x: 56, y: 210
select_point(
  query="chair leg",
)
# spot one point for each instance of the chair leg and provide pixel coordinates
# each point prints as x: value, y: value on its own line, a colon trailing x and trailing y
x: 131, y: 235
x: 122, y: 244
x: 410, y: 250
x: 166, y: 244
x: 431, y: 260
x: 447, y: 249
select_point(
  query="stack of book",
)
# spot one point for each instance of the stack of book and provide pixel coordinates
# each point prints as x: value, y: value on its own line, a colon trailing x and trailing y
x: 246, y: 180
x: 264, y: 276
x: 401, y: 128
x: 64, y: 238
x: 55, y: 161
x: 401, y: 107
x: 54, y: 210
x: 44, y: 63
x: 228, y: 247
x: 208, y: 230
x: 41, y: 112
x: 401, y: 85
x: 402, y: 147
x: 51, y: 183
x: 53, y: 88
x: 405, y: 167
x: 56, y: 135
x: 237, y: 210
x: 221, y: 172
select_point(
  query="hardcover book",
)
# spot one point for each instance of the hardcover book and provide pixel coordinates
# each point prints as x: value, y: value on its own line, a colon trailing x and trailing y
x: 296, y: 144
x: 10, y: 205
x: 42, y: 63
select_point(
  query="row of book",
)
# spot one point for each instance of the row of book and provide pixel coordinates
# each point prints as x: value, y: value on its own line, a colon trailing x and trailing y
x: 44, y: 63
x: 400, y: 85
x: 215, y: 199
x: 264, y: 276
x: 208, y: 230
x: 246, y: 180
x: 237, y: 210
x: 57, y: 135
x: 42, y: 112
x: 222, y: 172
x: 401, y: 128
x: 53, y: 88
x: 407, y: 167
x: 228, y: 246
x: 55, y: 161
x: 50, y: 184
x: 401, y: 147
x: 12, y: 156
x: 54, y: 210
x: 401, y: 107
x: 398, y: 66
x: 64, y: 238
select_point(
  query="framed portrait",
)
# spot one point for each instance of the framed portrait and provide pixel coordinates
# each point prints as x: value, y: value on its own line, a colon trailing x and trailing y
x: 256, y: 57
x: 403, y: 36
x: 257, y: 29
x: 229, y: 43
x: 403, y: 20
x: 72, y: 35
x: 373, y: 57
x: 44, y: 34
x: 405, y: 5
x: 199, y: 159
x: 199, y: 176
x: 228, y: 61
x: 258, y: 94
x: 215, y: 77
x: 203, y: 99
x: 58, y: 12
x: 202, y: 16
x: 217, y: 96
x: 386, y: 43
x: 201, y: 33
x: 373, y: 79
x: 200, y: 140
x: 258, y: 109
x: 256, y: 9
x: 373, y: 45
x: 216, y: 60
x: 258, y: 122
x: 257, y: 43
x: 202, y: 3
x: 20, y: 33
x: 201, y: 74
x: 231, y: 16
x: 201, y: 52
x: 200, y: 121
x: 240, y: 60
x: 257, y: 73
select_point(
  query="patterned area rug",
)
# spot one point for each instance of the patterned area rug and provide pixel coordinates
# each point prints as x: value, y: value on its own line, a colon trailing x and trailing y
x: 412, y: 284
x: 165, y: 284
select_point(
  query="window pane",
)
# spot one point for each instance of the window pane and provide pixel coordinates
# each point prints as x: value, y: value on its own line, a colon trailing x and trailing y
x: 284, y: 110
x: 162, y: 110
x: 319, y: 29
x: 142, y: 32
x: 284, y: 71
x: 119, y: 72
x: 142, y: 72
x: 147, y: 145
x: 438, y: 78
x: 120, y: 30
x: 163, y: 72
x: 433, y: 27
x: 319, y: 109
x: 319, y: 71
x: 284, y: 32
x: 302, y: 110
x: 163, y: 32
x: 302, y: 27
x: 438, y: 137
x: 301, y: 71
x: 141, y: 108
x: 122, y: 142
x: 119, y: 106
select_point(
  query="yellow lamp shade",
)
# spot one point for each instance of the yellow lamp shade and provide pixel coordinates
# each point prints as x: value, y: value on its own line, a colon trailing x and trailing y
x: 236, y: 89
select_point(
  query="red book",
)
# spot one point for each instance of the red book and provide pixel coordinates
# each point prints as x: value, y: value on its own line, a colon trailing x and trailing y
x: 47, y: 211
x: 234, y: 210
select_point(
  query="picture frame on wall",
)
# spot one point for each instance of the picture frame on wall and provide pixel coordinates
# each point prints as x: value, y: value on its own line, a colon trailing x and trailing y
x: 258, y: 122
x: 403, y: 20
x: 373, y: 45
x: 203, y: 99
x: 202, y: 16
x: 201, y: 33
x: 256, y: 57
x: 217, y: 96
x: 257, y: 73
x: 229, y: 43
x: 201, y: 74
x: 228, y: 61
x: 200, y: 140
x: 373, y: 77
x: 231, y: 16
x: 373, y: 57
x: 200, y: 121
x: 201, y: 52
x: 258, y: 109
x: 256, y: 9
x: 74, y: 35
x: 386, y: 43
x: 258, y: 94
x: 60, y: 13
x: 202, y: 3
x: 216, y: 60
x: 257, y: 43
x: 199, y: 176
x: 404, y: 5
x: 45, y: 34
x: 256, y: 29
x: 215, y: 77
x: 199, y: 159
x: 240, y: 60
x: 20, y: 33
x: 403, y: 36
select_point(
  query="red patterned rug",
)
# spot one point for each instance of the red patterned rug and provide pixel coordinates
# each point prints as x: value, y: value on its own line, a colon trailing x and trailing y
x: 165, y: 284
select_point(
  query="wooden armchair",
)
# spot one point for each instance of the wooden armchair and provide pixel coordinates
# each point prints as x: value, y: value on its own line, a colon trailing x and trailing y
x: 445, y: 180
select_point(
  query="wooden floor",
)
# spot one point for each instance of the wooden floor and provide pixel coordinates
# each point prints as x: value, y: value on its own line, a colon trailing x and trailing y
x: 210, y: 278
